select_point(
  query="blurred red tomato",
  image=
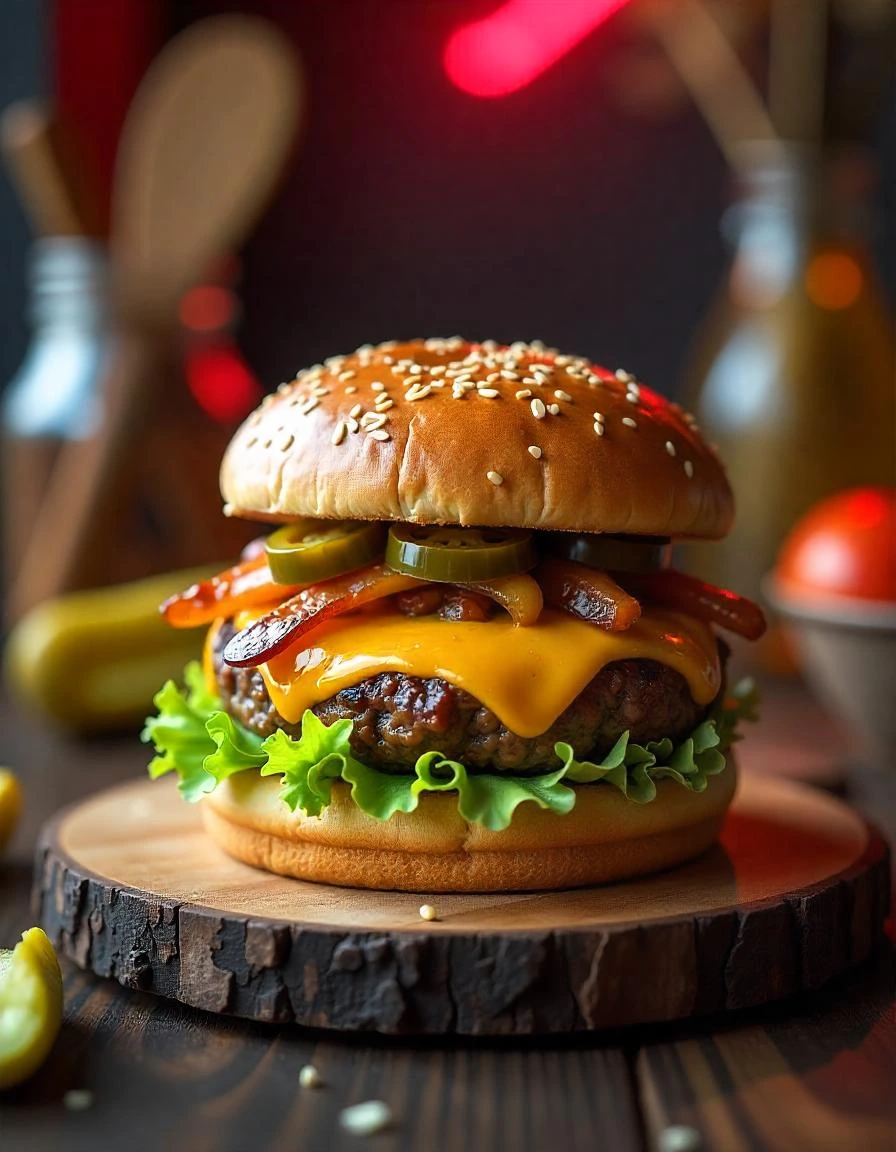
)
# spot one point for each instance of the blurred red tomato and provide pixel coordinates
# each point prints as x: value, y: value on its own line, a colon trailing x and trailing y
x: 844, y: 546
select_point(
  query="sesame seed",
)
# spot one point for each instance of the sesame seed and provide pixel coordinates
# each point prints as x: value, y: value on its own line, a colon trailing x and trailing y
x: 535, y: 451
x: 561, y: 395
x: 554, y: 409
x: 378, y: 434
x: 598, y: 416
x: 523, y: 394
x: 688, y: 469
x: 632, y: 397
x: 309, y: 1077
x: 438, y: 370
x: 509, y: 375
x: 384, y: 404
x: 320, y: 391
x: 670, y: 447
x: 350, y: 389
x: 492, y: 376
x: 427, y: 912
x: 366, y: 1119
x: 414, y: 379
x: 378, y: 386
x: 78, y: 1099
x: 495, y: 477
x: 339, y: 432
x: 599, y: 428
x: 373, y: 420
x: 356, y: 411
x: 489, y: 393
x: 352, y: 424
x: 388, y: 360
x: 538, y: 408
x: 310, y: 404
x: 397, y: 370
x: 418, y: 392
x: 349, y: 374
x: 629, y: 423
x: 622, y: 375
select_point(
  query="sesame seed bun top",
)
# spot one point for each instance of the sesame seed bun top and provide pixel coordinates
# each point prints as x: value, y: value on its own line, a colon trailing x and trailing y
x: 448, y: 432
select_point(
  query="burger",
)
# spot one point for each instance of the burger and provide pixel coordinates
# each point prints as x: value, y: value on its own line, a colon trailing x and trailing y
x: 460, y: 659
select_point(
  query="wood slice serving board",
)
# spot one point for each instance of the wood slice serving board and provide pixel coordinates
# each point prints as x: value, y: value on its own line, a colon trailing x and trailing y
x: 130, y: 887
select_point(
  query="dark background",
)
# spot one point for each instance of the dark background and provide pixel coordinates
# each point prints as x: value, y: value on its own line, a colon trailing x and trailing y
x: 414, y: 209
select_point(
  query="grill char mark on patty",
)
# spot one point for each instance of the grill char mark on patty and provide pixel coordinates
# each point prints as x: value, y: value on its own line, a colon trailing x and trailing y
x: 396, y: 718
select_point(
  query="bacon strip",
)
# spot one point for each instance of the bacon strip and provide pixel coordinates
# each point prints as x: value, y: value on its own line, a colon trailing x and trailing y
x: 587, y: 594
x: 312, y: 606
x: 685, y: 593
x: 248, y: 584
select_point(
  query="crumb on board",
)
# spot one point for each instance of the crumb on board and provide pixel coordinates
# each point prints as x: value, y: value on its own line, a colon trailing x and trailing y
x: 309, y: 1077
x: 428, y: 912
x: 366, y: 1119
x: 78, y: 1100
x: 680, y: 1138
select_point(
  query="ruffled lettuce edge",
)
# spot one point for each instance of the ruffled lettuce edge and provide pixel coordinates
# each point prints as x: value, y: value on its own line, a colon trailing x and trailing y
x: 193, y: 737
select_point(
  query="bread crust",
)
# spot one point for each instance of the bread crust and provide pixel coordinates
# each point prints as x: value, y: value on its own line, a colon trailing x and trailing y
x: 437, y: 451
x: 606, y: 837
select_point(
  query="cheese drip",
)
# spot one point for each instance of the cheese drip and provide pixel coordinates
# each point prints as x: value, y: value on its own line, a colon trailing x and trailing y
x: 526, y: 676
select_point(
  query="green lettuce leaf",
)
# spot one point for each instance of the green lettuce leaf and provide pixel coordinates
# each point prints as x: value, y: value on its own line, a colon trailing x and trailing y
x: 204, y: 745
x: 193, y: 737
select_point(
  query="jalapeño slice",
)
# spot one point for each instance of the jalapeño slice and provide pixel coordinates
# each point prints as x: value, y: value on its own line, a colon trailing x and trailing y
x: 308, y: 551
x: 458, y: 555
x: 613, y: 553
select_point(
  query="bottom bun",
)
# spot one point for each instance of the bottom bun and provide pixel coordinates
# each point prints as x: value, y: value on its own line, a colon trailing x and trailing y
x: 433, y: 849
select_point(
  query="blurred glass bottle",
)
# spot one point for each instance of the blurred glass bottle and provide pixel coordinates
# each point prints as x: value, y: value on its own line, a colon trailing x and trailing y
x: 55, y: 394
x: 793, y: 375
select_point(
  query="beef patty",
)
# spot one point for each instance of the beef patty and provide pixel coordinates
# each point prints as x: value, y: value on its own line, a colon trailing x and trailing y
x: 397, y: 718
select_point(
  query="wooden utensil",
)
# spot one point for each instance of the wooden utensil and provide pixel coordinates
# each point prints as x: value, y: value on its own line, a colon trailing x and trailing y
x: 202, y: 148
x: 41, y: 169
x: 61, y: 212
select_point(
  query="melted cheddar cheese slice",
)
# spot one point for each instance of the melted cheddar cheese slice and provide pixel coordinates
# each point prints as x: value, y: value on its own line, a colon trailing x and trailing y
x: 526, y: 676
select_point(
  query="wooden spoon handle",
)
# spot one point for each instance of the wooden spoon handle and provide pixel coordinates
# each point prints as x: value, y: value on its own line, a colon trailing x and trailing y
x: 30, y: 152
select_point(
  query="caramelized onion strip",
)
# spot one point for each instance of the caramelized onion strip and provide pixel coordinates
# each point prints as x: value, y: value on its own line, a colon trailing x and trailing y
x: 683, y: 593
x: 587, y: 594
x: 519, y: 595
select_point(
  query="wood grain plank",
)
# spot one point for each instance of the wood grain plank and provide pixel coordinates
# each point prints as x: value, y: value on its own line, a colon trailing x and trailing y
x: 818, y: 1078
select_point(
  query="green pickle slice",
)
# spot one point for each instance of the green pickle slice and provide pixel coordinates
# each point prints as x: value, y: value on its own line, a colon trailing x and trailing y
x: 307, y: 551
x: 613, y: 553
x: 458, y: 555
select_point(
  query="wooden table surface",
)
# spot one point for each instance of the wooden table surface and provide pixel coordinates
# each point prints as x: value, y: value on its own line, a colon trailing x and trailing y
x: 818, y: 1073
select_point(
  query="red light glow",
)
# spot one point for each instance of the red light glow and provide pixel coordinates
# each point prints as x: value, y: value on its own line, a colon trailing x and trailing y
x: 519, y: 41
x: 206, y: 308
x: 222, y: 383
x: 833, y: 280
